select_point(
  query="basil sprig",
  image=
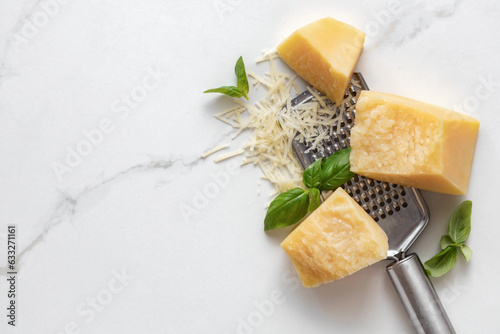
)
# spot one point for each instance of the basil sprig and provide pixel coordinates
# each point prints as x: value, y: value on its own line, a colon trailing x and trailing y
x: 458, y: 231
x: 291, y: 206
x: 241, y: 88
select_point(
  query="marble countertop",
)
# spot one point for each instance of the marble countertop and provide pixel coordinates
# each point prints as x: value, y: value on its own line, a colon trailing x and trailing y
x: 102, y: 124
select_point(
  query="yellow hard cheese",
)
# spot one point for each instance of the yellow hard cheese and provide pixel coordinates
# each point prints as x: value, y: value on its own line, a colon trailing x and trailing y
x: 336, y: 240
x: 325, y: 54
x: 412, y: 143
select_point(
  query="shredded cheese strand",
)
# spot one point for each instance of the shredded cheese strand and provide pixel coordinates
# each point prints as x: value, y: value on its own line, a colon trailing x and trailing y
x: 228, y: 155
x: 213, y: 150
x: 273, y: 124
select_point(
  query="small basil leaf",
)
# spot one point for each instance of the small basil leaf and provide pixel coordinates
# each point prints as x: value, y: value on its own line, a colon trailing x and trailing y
x: 312, y: 174
x: 241, y: 74
x: 315, y: 200
x: 466, y: 252
x: 287, y: 209
x: 441, y: 263
x: 335, y: 170
x: 459, y: 225
x: 228, y: 90
x: 445, y: 241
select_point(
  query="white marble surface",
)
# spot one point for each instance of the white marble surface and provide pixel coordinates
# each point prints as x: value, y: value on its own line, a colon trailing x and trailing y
x: 103, y: 245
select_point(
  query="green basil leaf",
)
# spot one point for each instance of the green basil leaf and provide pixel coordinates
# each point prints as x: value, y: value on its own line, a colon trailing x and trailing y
x: 242, y: 83
x: 315, y: 200
x: 287, y: 209
x: 466, y: 252
x: 459, y: 225
x: 228, y: 90
x: 312, y: 174
x: 445, y: 241
x: 441, y: 263
x: 241, y: 74
x: 335, y: 170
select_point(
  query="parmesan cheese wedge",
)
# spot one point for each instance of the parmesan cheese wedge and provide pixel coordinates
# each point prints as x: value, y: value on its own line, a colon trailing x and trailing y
x: 412, y: 143
x: 325, y: 54
x: 336, y: 240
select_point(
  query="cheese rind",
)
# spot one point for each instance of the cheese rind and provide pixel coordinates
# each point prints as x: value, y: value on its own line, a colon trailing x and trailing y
x: 325, y: 54
x: 412, y: 143
x: 336, y: 240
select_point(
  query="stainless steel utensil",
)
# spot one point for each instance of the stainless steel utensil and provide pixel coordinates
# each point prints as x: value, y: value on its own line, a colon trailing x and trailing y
x: 400, y: 211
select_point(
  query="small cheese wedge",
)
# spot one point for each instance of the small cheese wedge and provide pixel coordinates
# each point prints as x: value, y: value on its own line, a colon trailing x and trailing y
x: 412, y: 143
x: 336, y: 240
x: 325, y: 54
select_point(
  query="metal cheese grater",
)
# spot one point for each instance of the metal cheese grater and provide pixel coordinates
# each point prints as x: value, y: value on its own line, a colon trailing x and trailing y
x: 400, y: 211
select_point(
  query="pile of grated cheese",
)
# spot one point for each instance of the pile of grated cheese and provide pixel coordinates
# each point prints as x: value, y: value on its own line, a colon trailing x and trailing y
x: 273, y: 124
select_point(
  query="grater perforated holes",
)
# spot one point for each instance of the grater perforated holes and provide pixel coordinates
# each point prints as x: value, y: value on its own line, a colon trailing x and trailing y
x: 396, y: 206
x: 387, y: 198
x: 379, y: 199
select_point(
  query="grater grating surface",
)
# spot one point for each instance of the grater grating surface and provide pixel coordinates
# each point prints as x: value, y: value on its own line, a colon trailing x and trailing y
x: 400, y: 211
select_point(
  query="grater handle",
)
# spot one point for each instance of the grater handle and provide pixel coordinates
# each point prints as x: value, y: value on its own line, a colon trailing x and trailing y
x: 419, y: 297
